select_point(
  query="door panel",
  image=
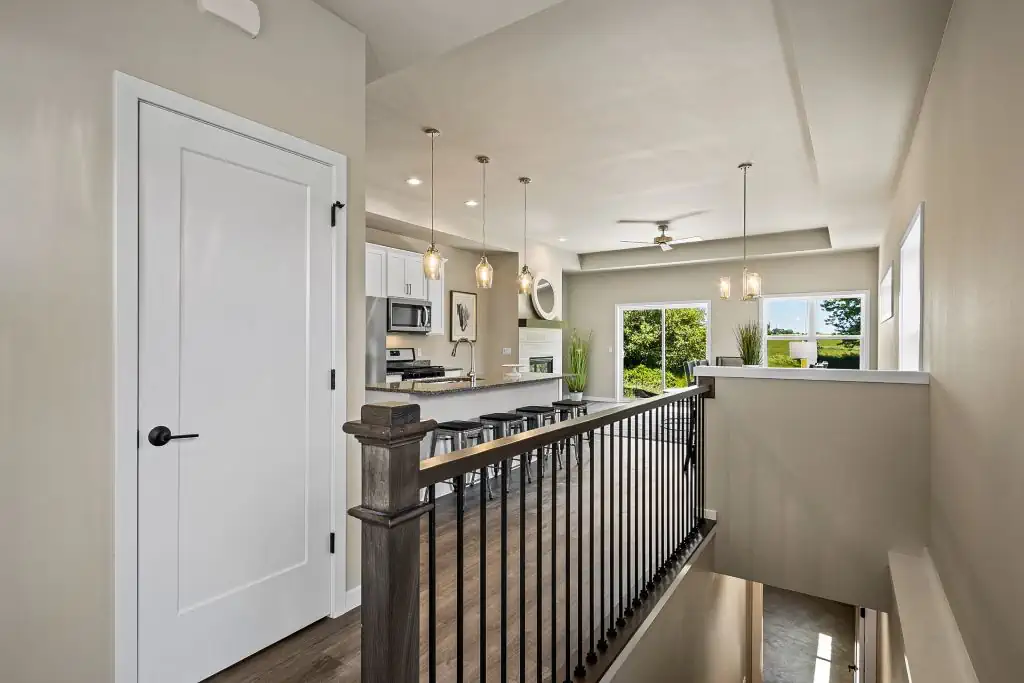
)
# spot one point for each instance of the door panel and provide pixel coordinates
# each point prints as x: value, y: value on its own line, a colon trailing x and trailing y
x: 376, y: 272
x: 235, y: 345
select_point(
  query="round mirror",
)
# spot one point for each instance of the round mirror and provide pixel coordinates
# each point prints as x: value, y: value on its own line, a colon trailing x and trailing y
x: 545, y: 297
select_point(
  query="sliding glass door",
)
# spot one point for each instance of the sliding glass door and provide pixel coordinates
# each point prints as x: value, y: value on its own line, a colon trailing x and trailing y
x: 655, y: 341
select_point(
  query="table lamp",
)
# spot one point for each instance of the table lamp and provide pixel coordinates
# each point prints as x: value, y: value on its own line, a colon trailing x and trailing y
x: 806, y: 352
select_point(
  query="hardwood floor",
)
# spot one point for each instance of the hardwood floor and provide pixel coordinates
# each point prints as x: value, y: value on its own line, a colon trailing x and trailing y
x: 329, y: 649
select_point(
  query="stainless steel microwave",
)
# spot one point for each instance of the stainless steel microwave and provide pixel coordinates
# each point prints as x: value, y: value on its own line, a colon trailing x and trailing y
x: 408, y: 315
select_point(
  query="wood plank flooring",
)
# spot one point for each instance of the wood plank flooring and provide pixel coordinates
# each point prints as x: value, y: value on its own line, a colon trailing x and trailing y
x: 328, y: 651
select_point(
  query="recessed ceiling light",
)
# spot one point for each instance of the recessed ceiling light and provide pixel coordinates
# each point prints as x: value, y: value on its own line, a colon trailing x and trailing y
x: 471, y: 202
x: 414, y: 181
x: 563, y: 239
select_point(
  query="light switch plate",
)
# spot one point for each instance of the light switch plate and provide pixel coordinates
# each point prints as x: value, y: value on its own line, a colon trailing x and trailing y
x: 506, y: 351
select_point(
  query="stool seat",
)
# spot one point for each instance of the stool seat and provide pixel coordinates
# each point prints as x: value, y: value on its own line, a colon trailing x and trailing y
x: 535, y: 409
x: 460, y: 425
x: 502, y: 417
x: 569, y: 403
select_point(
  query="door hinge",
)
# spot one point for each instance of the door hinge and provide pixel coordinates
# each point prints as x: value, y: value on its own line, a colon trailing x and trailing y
x: 332, y: 543
x: 335, y: 207
x: 333, y: 378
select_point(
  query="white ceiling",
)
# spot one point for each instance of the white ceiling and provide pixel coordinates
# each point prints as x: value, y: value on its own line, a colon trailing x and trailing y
x: 643, y: 109
x: 403, y: 32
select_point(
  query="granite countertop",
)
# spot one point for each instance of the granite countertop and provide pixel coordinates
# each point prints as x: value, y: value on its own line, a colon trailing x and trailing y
x: 449, y: 387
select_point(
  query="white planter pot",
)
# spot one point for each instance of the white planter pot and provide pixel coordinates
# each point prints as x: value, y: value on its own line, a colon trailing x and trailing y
x: 575, y: 395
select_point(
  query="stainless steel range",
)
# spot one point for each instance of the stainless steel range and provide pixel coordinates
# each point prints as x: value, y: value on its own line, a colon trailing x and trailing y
x: 404, y: 362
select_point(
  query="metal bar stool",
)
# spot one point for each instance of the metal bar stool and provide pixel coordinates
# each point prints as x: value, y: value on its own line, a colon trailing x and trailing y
x: 507, y: 424
x: 567, y: 410
x: 456, y: 435
x: 541, y: 416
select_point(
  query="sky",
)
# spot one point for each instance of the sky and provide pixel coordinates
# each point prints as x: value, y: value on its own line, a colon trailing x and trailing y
x: 792, y: 314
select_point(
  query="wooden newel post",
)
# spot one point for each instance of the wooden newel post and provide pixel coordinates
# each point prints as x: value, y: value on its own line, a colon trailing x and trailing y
x: 390, y: 434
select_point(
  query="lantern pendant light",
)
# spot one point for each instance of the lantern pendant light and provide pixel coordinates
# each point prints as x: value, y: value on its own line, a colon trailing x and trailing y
x: 432, y: 256
x: 751, y: 280
x: 751, y: 285
x: 484, y: 270
x: 525, y: 276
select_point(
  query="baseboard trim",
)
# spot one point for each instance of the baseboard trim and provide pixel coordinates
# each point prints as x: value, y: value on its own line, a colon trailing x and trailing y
x: 347, y: 602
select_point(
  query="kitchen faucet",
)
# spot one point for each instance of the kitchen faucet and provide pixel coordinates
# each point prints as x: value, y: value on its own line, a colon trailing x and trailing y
x: 472, y: 355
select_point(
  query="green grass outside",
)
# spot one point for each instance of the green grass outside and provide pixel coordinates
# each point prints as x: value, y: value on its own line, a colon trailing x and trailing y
x: 831, y: 350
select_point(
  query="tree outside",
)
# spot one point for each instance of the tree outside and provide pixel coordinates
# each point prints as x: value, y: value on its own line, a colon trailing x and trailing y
x: 685, y: 340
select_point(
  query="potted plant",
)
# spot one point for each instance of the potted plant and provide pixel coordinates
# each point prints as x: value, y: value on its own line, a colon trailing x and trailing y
x: 579, y: 354
x: 748, y: 339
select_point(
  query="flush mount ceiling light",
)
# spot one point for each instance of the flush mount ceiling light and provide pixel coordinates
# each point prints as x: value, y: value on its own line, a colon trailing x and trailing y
x: 484, y: 270
x: 472, y: 202
x: 525, y: 276
x: 752, y: 284
x: 432, y: 256
x: 563, y: 239
x: 413, y: 181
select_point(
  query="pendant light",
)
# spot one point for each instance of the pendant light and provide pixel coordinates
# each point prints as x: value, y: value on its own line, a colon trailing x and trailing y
x: 751, y: 285
x: 525, y: 276
x: 484, y: 270
x: 432, y: 257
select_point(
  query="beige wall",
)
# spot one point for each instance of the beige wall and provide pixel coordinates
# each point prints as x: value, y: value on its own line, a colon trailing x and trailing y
x: 591, y: 297
x: 814, y: 482
x: 700, y: 635
x: 964, y: 163
x: 304, y: 75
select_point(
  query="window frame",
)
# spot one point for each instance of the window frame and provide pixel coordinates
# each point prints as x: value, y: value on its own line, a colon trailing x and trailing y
x: 917, y: 220
x: 812, y: 299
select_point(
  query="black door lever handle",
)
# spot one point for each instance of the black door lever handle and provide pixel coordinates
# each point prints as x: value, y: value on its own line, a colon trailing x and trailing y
x: 161, y: 436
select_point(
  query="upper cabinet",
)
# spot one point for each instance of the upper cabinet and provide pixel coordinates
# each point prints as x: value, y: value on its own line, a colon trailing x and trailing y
x: 398, y: 273
x: 405, y: 275
x: 376, y: 270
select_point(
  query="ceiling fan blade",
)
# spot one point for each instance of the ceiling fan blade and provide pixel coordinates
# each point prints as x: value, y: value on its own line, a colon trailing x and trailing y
x: 636, y: 221
x: 687, y: 240
x: 665, y: 246
x: 689, y: 214
x: 646, y: 244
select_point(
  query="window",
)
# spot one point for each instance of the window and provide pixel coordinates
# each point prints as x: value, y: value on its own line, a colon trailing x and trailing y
x: 911, y: 275
x: 828, y: 325
x: 655, y: 341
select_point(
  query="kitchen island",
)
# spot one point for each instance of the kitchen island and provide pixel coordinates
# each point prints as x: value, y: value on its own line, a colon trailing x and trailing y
x: 463, y: 399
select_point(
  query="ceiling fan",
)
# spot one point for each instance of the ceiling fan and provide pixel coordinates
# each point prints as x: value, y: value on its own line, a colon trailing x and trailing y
x: 664, y: 240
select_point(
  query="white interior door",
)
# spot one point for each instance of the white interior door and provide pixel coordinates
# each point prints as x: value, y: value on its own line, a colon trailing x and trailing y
x: 235, y: 334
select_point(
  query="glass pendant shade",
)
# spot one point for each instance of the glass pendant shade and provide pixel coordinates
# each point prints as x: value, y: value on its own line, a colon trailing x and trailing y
x: 432, y: 263
x: 724, y: 287
x: 751, y: 285
x: 484, y: 274
x: 525, y: 280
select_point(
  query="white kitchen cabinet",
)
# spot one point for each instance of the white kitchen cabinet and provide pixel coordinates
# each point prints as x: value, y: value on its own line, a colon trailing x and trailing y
x: 405, y: 275
x: 398, y: 273
x: 376, y: 270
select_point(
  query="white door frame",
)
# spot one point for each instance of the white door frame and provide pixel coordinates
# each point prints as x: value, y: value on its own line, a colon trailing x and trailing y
x: 129, y: 93
x: 620, y: 347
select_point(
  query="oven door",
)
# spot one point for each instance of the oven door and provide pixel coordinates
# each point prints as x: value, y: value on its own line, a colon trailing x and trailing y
x: 408, y: 315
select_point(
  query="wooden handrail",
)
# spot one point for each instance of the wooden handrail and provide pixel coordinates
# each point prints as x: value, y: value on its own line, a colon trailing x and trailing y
x: 450, y: 465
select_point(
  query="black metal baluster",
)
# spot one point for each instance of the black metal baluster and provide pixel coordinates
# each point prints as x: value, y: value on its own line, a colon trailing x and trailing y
x: 460, y: 511
x: 630, y: 520
x: 612, y: 463
x: 483, y: 574
x: 505, y: 471
x: 568, y: 560
x: 638, y: 510
x: 643, y: 540
x: 540, y: 565
x: 623, y: 428
x: 554, y: 564
x: 432, y: 586
x: 580, y: 671
x: 602, y: 643
x: 660, y: 492
x: 652, y: 500
x: 702, y: 468
x: 524, y: 462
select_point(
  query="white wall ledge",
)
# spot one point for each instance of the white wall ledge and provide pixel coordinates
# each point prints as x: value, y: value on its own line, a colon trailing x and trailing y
x: 817, y: 374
